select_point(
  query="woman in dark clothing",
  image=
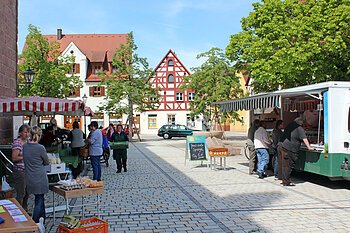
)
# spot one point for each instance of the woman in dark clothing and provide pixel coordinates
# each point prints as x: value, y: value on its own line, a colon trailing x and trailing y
x: 35, y: 158
x: 277, y: 135
x: 120, y: 155
x: 77, y: 142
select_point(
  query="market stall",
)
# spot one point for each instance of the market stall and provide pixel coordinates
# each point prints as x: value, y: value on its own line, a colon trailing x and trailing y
x: 34, y: 106
x: 324, y: 108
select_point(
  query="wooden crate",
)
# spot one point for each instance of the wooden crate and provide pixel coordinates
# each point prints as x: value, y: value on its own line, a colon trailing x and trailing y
x: 218, y: 151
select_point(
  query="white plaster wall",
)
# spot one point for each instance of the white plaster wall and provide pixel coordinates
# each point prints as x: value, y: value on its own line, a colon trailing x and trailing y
x: 162, y: 119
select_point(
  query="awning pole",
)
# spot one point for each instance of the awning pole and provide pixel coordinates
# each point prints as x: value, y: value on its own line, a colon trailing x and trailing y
x: 320, y: 108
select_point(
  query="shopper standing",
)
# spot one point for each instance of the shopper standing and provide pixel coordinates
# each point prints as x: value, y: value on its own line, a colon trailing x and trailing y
x: 77, y: 142
x: 277, y: 135
x: 261, y: 144
x: 35, y: 158
x: 293, y: 135
x: 120, y: 155
x: 95, y: 150
x: 250, y: 144
x: 18, y: 166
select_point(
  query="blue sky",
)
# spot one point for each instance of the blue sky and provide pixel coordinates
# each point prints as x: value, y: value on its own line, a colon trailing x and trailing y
x: 188, y: 27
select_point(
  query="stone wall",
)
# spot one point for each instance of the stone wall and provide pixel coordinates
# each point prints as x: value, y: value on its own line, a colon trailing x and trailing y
x: 8, y: 61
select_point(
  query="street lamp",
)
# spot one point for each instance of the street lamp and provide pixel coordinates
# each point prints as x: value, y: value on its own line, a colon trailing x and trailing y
x: 84, y: 100
x: 29, y: 76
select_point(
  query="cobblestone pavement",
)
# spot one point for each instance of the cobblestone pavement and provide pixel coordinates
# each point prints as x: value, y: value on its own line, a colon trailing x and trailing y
x: 160, y: 193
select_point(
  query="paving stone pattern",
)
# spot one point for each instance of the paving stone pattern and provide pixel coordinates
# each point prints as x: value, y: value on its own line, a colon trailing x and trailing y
x: 159, y: 193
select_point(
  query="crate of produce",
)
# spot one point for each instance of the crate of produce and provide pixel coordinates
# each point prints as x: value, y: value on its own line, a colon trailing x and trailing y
x: 119, y: 145
x: 91, y: 225
x: 218, y: 151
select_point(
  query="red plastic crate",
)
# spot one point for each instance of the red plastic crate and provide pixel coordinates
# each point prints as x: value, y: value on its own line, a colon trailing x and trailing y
x: 102, y: 227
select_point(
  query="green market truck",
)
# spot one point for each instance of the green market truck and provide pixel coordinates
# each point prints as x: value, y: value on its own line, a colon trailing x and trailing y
x: 325, y: 108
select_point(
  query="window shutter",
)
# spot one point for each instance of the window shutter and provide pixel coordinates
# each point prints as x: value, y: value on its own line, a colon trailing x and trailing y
x: 77, y: 68
x: 91, y: 89
x: 102, y: 91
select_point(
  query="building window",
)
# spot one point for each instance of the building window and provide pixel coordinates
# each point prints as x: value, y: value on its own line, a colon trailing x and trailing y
x: 114, y: 69
x: 190, y: 96
x: 170, y: 63
x: 152, y: 121
x: 171, y: 119
x: 75, y: 68
x: 75, y: 93
x: 179, y: 96
x: 97, y: 91
x: 98, y: 116
x: 170, y: 78
x: 190, y: 121
x: 115, y: 118
x: 97, y: 69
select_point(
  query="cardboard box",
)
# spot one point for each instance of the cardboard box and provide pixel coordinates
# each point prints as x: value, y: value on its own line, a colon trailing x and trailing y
x: 56, y: 168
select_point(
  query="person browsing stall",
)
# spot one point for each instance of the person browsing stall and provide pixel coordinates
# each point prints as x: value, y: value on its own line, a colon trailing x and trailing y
x: 250, y: 143
x: 261, y: 144
x: 120, y: 155
x: 293, y: 135
x: 95, y: 150
x: 35, y: 158
x: 277, y: 136
x: 18, y: 166
x: 77, y: 142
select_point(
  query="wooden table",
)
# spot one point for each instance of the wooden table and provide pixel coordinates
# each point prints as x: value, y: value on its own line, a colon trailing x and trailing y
x: 10, y: 226
x: 75, y: 194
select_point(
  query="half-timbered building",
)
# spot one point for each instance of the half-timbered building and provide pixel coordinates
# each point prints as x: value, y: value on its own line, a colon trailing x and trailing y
x: 174, y: 103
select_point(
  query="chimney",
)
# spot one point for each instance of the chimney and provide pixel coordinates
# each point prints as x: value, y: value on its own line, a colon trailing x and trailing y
x: 59, y: 33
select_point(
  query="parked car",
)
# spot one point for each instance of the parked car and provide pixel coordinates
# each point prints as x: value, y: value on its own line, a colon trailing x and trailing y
x: 169, y: 131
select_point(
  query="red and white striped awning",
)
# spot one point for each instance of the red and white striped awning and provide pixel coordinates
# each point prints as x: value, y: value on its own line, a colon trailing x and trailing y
x: 35, y: 105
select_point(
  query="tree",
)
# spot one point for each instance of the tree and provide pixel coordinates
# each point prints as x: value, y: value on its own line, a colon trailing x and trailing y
x: 50, y: 67
x: 215, y: 80
x: 293, y: 42
x: 128, y: 89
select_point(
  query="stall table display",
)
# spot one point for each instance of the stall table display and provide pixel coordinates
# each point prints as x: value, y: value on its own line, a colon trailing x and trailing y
x: 18, y: 220
x: 75, y: 193
x: 222, y: 153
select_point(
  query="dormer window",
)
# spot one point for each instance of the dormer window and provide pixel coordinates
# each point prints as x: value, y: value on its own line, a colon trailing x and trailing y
x: 97, y: 69
x: 170, y: 63
x: 170, y: 78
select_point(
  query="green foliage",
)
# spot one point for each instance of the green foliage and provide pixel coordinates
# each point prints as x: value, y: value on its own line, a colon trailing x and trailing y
x: 129, y: 82
x: 293, y: 42
x: 44, y: 58
x: 215, y: 80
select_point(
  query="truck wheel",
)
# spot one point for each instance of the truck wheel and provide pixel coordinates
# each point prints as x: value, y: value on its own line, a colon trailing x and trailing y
x: 166, y: 136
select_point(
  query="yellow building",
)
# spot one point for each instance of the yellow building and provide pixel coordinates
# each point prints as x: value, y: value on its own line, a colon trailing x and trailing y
x: 243, y: 115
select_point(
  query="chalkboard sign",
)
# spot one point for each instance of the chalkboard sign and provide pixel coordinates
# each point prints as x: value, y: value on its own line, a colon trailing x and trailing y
x: 196, y: 146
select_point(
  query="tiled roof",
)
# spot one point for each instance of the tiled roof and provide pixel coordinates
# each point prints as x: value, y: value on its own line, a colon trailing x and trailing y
x: 94, y: 46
